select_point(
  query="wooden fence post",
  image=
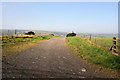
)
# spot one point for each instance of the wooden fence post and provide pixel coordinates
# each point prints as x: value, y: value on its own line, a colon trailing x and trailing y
x: 8, y: 32
x: 95, y: 40
x: 15, y: 31
x: 84, y: 35
x: 101, y: 42
x: 114, y: 44
x: 90, y: 37
x: 118, y: 45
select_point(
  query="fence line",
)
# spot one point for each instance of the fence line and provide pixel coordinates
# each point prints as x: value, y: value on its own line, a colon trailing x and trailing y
x: 115, y: 48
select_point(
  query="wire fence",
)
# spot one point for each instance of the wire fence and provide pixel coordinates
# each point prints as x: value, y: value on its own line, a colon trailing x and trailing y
x: 107, y: 43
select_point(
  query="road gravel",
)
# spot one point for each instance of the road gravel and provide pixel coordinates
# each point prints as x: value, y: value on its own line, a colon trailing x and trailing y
x: 50, y: 59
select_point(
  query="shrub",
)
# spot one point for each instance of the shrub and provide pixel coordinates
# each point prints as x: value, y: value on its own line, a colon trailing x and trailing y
x: 30, y: 33
x: 51, y: 34
x: 71, y: 35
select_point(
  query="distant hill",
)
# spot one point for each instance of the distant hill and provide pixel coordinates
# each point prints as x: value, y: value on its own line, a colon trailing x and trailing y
x: 11, y: 32
x: 98, y: 35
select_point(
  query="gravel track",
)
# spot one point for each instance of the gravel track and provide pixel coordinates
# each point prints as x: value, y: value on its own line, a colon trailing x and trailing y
x: 50, y: 59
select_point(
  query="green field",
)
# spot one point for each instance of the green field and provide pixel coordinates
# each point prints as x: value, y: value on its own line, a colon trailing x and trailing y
x: 14, y: 41
x: 92, y: 53
x: 105, y: 43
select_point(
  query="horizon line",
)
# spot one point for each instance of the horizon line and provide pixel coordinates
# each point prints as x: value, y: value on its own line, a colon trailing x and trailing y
x: 60, y: 31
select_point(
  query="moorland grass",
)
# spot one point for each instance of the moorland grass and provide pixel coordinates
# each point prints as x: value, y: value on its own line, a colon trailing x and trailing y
x: 23, y: 40
x: 93, y: 54
x: 105, y: 43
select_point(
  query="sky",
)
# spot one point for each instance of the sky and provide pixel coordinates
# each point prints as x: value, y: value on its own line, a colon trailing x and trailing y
x: 80, y: 17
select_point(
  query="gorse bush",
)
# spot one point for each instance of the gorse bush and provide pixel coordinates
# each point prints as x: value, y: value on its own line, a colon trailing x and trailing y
x: 94, y: 54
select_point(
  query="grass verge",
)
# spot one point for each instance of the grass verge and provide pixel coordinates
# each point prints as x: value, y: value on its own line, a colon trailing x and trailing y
x: 92, y: 53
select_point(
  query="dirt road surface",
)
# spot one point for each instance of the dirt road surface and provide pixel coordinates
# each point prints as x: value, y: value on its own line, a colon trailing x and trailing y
x: 50, y: 59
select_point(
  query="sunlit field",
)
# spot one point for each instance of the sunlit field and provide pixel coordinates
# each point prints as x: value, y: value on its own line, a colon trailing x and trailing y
x: 93, y: 53
x: 13, y: 44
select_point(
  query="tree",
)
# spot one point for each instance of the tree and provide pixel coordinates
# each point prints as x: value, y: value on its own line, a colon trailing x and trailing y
x: 51, y: 34
x: 71, y: 34
x: 30, y: 33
